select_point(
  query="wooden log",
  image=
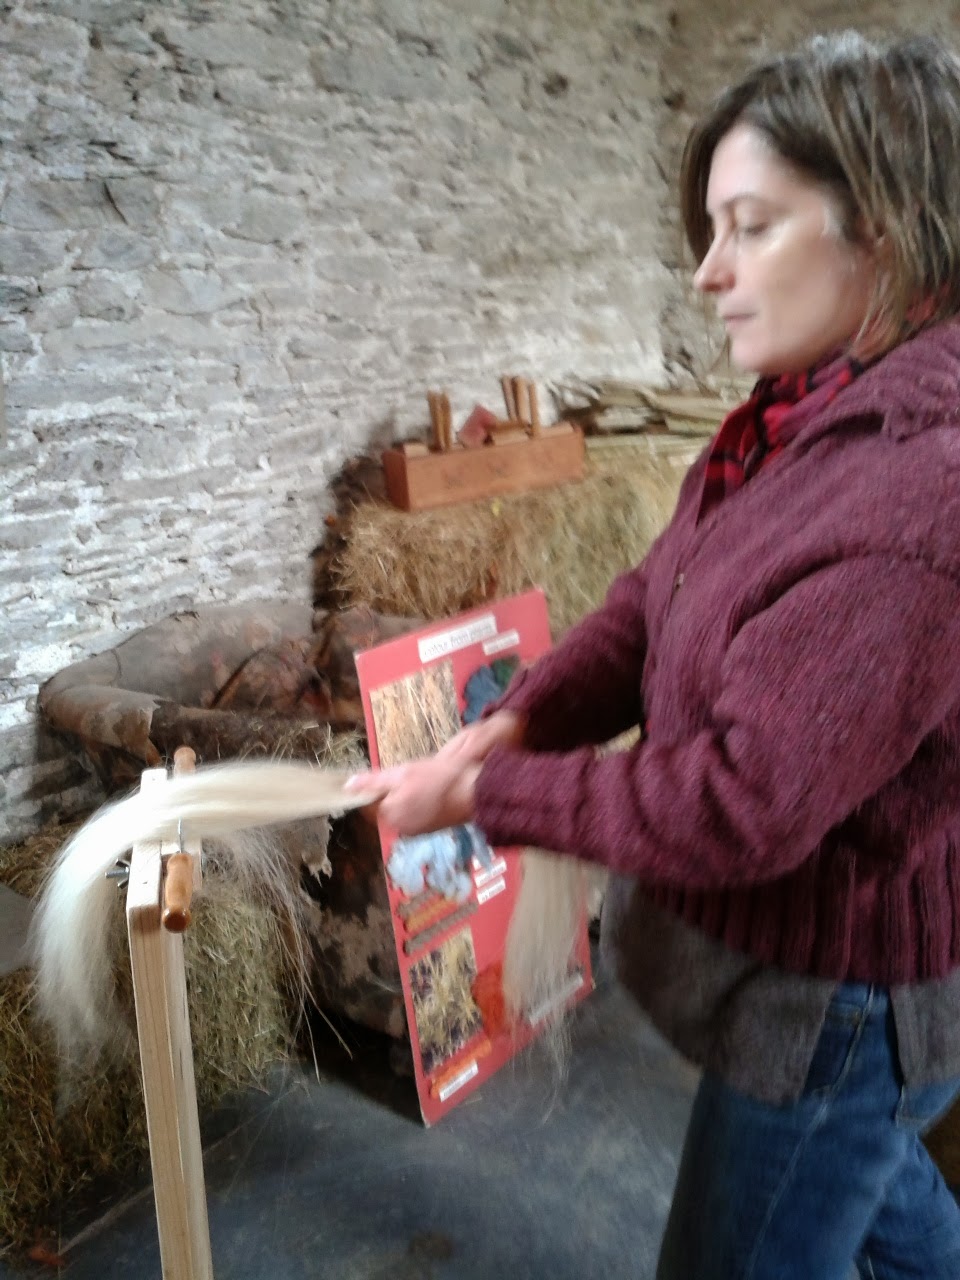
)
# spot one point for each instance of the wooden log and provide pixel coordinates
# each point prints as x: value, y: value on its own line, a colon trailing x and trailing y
x: 225, y: 735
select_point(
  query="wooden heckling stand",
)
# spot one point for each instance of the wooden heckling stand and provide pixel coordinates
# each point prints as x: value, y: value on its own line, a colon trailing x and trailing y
x: 162, y: 878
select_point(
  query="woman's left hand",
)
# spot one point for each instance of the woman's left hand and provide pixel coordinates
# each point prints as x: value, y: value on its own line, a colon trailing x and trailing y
x: 426, y: 795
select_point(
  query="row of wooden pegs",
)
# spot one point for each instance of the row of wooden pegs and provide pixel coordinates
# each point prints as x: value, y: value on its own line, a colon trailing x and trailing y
x: 522, y: 421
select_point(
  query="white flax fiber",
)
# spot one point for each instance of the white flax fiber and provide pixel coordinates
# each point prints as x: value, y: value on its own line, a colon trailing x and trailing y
x: 70, y: 938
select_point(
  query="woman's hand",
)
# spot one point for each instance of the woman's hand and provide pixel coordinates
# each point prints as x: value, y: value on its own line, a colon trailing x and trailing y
x: 475, y: 742
x: 428, y: 795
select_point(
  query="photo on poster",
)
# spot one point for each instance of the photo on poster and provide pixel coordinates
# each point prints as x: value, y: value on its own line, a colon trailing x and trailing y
x: 441, y: 985
x: 416, y: 715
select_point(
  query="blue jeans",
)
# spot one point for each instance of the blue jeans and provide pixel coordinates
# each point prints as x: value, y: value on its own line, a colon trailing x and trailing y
x: 809, y: 1190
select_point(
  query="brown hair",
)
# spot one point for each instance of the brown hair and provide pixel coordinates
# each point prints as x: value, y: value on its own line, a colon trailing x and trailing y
x: 878, y: 128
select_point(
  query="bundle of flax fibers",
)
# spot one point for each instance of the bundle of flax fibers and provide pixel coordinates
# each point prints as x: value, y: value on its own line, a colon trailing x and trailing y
x: 70, y: 1141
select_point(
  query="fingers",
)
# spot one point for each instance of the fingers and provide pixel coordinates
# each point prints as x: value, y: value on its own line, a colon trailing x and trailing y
x: 376, y: 781
x: 504, y: 728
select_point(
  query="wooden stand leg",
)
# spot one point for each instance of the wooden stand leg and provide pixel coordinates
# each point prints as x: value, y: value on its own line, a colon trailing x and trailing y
x: 166, y: 1059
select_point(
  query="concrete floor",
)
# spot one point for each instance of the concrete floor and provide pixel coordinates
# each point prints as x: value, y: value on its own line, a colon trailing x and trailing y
x: 338, y: 1178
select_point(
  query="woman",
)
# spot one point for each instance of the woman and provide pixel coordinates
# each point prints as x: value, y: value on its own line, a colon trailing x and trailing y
x: 787, y: 831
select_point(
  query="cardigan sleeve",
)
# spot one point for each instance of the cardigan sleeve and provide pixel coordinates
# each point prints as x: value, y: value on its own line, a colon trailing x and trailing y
x: 824, y: 697
x: 587, y: 689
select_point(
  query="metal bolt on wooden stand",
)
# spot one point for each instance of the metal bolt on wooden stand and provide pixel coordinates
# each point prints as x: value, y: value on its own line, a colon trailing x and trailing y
x: 162, y: 879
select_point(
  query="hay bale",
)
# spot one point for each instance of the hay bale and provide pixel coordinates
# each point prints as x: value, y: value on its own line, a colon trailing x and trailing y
x: 64, y: 1144
x: 571, y: 540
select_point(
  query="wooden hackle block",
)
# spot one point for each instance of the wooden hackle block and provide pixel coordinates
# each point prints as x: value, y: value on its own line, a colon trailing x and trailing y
x: 466, y: 475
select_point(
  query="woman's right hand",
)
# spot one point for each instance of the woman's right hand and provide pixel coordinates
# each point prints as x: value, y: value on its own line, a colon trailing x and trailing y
x: 473, y: 744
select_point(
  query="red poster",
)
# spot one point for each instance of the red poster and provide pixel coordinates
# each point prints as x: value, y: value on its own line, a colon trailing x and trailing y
x: 451, y: 896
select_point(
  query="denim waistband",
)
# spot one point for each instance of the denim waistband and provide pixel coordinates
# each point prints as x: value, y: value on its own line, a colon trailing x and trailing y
x: 866, y: 998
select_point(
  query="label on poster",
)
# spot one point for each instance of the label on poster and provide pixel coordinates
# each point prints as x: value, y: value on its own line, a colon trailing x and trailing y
x: 492, y: 872
x: 465, y: 1076
x: 444, y: 643
x: 509, y: 640
x: 490, y: 891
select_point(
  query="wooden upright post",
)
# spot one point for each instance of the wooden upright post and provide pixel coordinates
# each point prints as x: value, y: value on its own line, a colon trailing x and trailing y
x: 166, y: 1060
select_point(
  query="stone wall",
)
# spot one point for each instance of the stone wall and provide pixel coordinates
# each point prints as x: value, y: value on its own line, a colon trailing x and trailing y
x: 239, y: 239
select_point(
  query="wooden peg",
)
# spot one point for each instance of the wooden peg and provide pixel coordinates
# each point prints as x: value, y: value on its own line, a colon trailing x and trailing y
x: 522, y: 400
x: 518, y: 399
x: 506, y: 382
x: 436, y: 418
x: 179, y: 871
x: 535, y: 425
x: 447, y: 420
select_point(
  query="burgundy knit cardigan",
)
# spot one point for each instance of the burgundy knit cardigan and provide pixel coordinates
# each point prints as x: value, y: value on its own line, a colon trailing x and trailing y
x: 794, y: 657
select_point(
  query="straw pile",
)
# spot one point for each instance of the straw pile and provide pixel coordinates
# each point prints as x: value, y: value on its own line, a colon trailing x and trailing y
x: 612, y: 405
x: 65, y: 1143
x: 571, y: 540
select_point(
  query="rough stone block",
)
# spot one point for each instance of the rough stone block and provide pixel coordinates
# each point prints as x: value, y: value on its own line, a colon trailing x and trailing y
x: 135, y: 200
x: 189, y: 293
x: 268, y: 219
x: 23, y: 254
x: 116, y: 249
x: 226, y: 44
x: 52, y: 206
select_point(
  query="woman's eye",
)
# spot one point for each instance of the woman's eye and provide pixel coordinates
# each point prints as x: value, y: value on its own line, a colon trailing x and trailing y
x: 751, y: 230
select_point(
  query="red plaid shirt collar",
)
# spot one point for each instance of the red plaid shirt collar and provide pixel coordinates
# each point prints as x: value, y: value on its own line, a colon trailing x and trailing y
x: 760, y: 428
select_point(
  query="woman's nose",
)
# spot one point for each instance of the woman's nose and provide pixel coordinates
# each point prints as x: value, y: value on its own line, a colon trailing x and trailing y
x: 714, y: 272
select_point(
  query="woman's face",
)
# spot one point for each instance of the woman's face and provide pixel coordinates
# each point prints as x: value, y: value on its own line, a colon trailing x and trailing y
x: 788, y: 286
